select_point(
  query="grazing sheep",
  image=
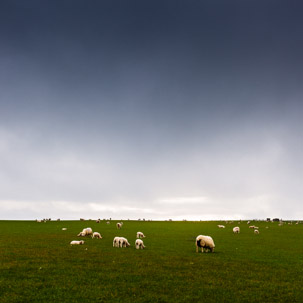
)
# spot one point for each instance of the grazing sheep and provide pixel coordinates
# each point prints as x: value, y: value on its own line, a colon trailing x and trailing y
x: 252, y: 226
x: 96, y: 235
x: 98, y: 221
x: 256, y: 231
x: 140, y: 234
x: 116, y: 242
x: 256, y: 227
x: 139, y: 244
x: 85, y: 232
x: 119, y: 225
x: 77, y: 242
x: 205, y: 242
x: 123, y: 242
x: 64, y: 228
x: 221, y: 226
x: 236, y: 230
x: 107, y: 222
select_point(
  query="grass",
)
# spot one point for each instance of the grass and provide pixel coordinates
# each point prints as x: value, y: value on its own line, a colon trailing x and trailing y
x: 37, y: 264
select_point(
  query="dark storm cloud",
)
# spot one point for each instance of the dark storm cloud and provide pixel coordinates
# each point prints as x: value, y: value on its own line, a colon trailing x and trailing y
x: 128, y: 103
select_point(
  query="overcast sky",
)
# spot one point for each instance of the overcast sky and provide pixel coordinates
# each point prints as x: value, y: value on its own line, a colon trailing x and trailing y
x: 151, y: 109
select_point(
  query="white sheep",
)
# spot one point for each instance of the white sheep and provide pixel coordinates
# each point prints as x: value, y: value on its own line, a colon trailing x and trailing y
x: 256, y: 231
x: 123, y: 242
x: 116, y: 242
x: 221, y: 226
x: 140, y: 234
x: 251, y: 226
x: 77, y: 242
x: 205, y: 242
x: 256, y: 227
x: 236, y: 230
x: 119, y: 225
x: 139, y: 244
x: 96, y: 235
x: 85, y: 232
x: 64, y: 228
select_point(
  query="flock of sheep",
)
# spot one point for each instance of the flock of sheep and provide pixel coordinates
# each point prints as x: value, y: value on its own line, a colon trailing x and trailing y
x: 117, y: 242
x: 204, y: 242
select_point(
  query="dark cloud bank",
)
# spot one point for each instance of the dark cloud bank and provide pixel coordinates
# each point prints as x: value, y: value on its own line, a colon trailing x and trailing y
x: 156, y: 109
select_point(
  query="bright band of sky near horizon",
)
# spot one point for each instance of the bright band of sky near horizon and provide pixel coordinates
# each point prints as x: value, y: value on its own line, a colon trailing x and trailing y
x: 151, y: 109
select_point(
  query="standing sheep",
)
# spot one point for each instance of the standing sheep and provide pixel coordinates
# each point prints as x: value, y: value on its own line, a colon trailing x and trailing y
x: 140, y: 234
x: 116, y: 242
x: 119, y: 225
x: 123, y: 242
x: 96, y: 235
x: 139, y: 244
x: 236, y: 230
x: 85, y: 232
x: 256, y: 231
x: 221, y: 226
x: 205, y: 242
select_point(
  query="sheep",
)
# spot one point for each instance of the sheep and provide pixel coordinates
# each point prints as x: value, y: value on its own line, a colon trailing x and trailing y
x: 256, y: 227
x: 139, y: 244
x: 85, y: 232
x: 221, y: 226
x: 123, y: 242
x: 116, y: 242
x: 236, y: 230
x: 256, y: 231
x: 205, y: 242
x: 98, y: 221
x: 64, y: 228
x: 107, y: 222
x: 77, y: 242
x: 96, y: 235
x: 119, y: 225
x: 252, y: 226
x: 140, y: 234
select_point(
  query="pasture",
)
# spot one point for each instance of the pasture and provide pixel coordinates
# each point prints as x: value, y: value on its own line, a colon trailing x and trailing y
x: 37, y: 264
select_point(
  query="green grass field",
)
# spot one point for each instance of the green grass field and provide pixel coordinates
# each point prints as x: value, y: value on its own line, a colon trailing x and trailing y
x: 39, y: 265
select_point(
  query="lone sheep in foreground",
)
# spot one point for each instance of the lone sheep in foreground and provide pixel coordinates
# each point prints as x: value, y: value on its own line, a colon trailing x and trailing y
x: 236, y: 230
x: 139, y: 244
x: 205, y: 242
x: 96, y: 235
x: 140, y: 234
x: 77, y: 242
